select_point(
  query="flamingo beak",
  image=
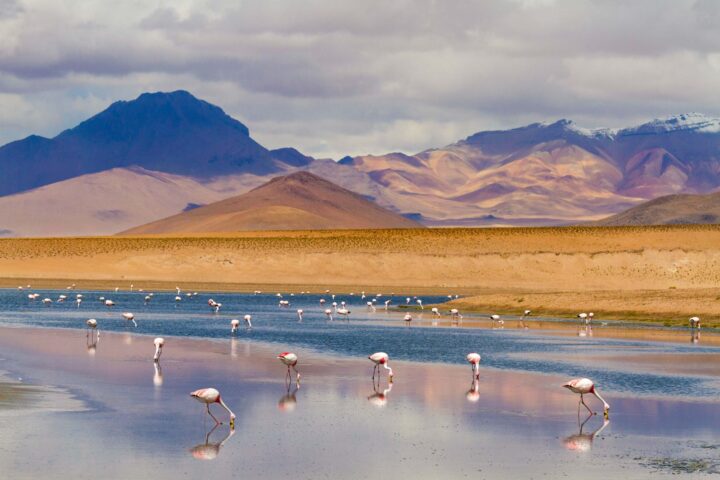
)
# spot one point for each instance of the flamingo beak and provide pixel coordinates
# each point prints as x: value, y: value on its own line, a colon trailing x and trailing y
x: 390, y: 380
x: 606, y: 413
x: 232, y: 424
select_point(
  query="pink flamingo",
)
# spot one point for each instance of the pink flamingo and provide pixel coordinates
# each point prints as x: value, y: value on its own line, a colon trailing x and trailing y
x: 209, y: 396
x: 583, y: 386
x: 474, y: 360
x: 234, y: 324
x: 159, y: 343
x: 290, y: 360
x: 381, y: 358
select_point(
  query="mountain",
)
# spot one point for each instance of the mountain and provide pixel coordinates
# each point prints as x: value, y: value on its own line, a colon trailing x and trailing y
x: 550, y: 173
x: 670, y: 210
x: 172, y: 132
x: 299, y: 201
x: 107, y: 202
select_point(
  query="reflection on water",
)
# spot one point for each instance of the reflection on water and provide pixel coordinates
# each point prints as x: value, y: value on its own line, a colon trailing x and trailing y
x: 91, y: 343
x: 158, y: 376
x: 583, y: 442
x: 694, y: 336
x: 379, y: 398
x: 288, y: 401
x: 473, y: 395
x: 208, y: 450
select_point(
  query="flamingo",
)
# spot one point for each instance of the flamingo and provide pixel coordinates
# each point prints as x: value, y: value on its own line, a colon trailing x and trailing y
x: 583, y: 317
x: 525, y: 314
x: 78, y: 301
x: 209, y: 396
x: 407, y: 318
x: 322, y: 301
x: 435, y: 311
x: 496, y: 318
x: 109, y: 303
x: 328, y: 312
x: 92, y: 326
x: 371, y: 307
x: 583, y: 386
x: 234, y: 324
x: 419, y: 302
x: 474, y: 360
x: 334, y: 305
x: 455, y: 315
x: 344, y: 312
x: 178, y: 298
x: 381, y: 358
x: 47, y: 301
x: 591, y: 315
x: 387, y: 302
x: 290, y: 360
x: 129, y: 317
x: 300, y: 314
x: 147, y: 299
x: 407, y: 300
x: 695, y: 322
x: 159, y: 343
x: 248, y: 320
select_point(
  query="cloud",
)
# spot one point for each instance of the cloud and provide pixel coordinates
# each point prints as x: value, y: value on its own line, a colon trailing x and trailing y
x: 338, y: 77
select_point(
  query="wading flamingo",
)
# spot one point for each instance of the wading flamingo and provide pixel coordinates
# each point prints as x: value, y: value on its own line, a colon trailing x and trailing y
x: 290, y: 360
x: 159, y: 343
x: 248, y: 320
x: 407, y: 318
x: 300, y: 314
x: 178, y: 298
x: 109, y: 303
x: 496, y: 318
x: 344, y: 312
x: 419, y: 302
x: 381, y: 358
x: 474, y: 360
x: 328, y: 312
x: 695, y: 322
x: 387, y: 302
x: 584, y: 386
x: 129, y: 317
x: 234, y: 324
x: 583, y: 317
x: 371, y: 307
x: 92, y: 326
x: 435, y: 311
x: 209, y: 396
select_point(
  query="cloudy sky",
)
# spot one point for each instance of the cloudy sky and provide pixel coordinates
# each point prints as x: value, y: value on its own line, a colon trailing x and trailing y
x: 336, y: 77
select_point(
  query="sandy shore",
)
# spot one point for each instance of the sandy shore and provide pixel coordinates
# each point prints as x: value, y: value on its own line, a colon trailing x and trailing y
x: 139, y: 420
x: 662, y: 274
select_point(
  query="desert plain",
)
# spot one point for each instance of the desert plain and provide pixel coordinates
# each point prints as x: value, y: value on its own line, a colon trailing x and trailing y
x: 661, y: 274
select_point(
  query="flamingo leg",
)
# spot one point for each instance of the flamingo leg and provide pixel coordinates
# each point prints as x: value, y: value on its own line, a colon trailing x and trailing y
x: 297, y: 374
x: 374, y: 368
x: 217, y: 422
x: 582, y: 400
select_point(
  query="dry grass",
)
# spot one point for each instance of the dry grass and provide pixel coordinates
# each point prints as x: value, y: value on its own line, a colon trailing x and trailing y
x: 664, y: 271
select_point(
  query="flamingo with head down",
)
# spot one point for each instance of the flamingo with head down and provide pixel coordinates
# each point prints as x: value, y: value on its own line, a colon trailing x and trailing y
x: 585, y: 386
x: 209, y: 396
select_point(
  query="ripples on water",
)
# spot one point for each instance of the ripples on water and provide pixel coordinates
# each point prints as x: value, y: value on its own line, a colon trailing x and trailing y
x: 363, y: 334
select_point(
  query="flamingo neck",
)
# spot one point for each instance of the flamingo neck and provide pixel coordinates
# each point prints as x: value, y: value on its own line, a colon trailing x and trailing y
x: 605, y: 404
x: 232, y: 415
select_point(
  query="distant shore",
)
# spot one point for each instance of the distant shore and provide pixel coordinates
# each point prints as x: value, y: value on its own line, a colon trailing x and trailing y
x: 660, y: 274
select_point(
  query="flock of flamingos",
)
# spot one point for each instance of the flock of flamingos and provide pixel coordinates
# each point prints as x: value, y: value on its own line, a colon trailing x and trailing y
x: 209, y: 396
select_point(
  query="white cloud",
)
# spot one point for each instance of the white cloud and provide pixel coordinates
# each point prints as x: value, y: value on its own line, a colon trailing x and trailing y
x: 337, y: 77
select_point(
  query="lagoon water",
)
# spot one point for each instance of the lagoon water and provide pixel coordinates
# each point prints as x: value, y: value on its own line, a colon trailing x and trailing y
x: 73, y: 407
x: 367, y: 332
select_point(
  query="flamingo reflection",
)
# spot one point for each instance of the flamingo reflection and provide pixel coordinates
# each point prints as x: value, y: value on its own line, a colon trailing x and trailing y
x: 288, y: 402
x: 207, y: 450
x: 694, y: 336
x: 582, y: 442
x: 91, y: 343
x: 379, y: 398
x: 158, y: 376
x: 473, y: 395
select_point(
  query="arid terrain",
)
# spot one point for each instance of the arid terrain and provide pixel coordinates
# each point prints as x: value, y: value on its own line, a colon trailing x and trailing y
x: 663, y: 273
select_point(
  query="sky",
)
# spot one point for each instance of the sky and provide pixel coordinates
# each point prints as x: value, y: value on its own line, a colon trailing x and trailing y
x: 337, y: 77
